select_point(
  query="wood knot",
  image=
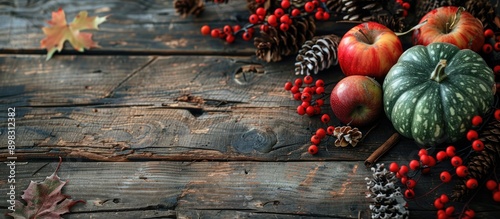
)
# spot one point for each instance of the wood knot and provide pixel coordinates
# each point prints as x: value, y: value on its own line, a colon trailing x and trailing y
x: 255, y: 140
x: 248, y: 74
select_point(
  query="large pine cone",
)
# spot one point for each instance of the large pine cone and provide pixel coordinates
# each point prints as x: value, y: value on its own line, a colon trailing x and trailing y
x: 482, y: 10
x: 188, y: 7
x: 481, y: 164
x: 275, y: 44
x: 360, y: 10
x: 317, y: 54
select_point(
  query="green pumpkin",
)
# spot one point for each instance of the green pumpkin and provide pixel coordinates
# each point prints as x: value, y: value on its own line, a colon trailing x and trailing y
x: 432, y: 92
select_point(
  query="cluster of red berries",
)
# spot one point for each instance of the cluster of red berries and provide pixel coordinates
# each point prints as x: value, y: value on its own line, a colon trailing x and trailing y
x: 320, y: 134
x: 304, y: 90
x: 282, y: 17
x: 490, y: 43
x: 425, y: 162
x: 405, y: 5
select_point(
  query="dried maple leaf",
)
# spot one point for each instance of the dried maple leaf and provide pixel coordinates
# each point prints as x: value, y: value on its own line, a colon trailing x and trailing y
x: 44, y: 200
x: 59, y: 31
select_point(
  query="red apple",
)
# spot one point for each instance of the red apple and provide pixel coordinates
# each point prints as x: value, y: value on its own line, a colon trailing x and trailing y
x: 357, y: 100
x: 450, y: 25
x: 369, y: 49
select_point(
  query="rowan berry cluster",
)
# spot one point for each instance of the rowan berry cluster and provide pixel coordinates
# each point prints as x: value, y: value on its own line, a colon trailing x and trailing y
x: 407, y: 174
x: 281, y: 17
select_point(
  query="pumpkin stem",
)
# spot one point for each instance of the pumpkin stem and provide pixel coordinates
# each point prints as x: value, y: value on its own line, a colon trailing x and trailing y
x: 438, y: 74
x: 454, y: 21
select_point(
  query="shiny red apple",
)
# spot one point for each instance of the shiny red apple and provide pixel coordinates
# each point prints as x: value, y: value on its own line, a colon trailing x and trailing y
x: 369, y: 49
x: 357, y: 100
x: 453, y: 25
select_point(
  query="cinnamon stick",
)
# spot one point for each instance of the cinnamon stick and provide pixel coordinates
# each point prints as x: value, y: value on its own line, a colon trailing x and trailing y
x: 391, y: 141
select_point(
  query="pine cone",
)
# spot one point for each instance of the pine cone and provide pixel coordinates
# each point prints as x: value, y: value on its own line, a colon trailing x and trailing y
x: 482, y: 10
x: 334, y: 6
x: 481, y: 163
x: 395, y: 23
x: 387, y: 199
x: 361, y: 10
x: 346, y: 135
x: 269, y: 5
x: 317, y: 54
x: 275, y: 44
x: 424, y: 6
x: 187, y: 7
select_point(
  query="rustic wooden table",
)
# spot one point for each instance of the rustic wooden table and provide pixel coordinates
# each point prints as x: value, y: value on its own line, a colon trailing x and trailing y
x: 162, y: 122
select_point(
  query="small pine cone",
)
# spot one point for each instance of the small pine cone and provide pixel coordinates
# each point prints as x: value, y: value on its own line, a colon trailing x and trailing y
x: 482, y: 10
x: 360, y: 10
x: 188, y: 7
x: 275, y: 44
x: 481, y: 163
x: 347, y: 135
x: 317, y: 54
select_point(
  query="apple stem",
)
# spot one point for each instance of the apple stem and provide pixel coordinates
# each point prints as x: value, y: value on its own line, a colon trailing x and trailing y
x: 367, y: 39
x: 454, y: 21
x: 438, y: 74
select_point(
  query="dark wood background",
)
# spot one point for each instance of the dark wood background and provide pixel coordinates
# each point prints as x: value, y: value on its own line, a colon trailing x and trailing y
x: 160, y: 122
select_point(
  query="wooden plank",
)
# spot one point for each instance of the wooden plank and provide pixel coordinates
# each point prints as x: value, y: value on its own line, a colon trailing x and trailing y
x: 138, y: 26
x: 207, y: 189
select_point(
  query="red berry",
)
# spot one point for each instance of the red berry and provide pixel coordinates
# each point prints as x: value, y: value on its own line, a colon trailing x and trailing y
x: 441, y: 214
x: 444, y: 198
x: 424, y: 158
x: 295, y: 89
x: 259, y: 1
x: 404, y: 179
x: 432, y: 161
x: 462, y: 171
x: 426, y: 170
x: 487, y: 48
x: 496, y: 47
x: 228, y: 29
x: 310, y: 111
x: 411, y: 183
x: 317, y: 110
x: 403, y: 170
x: 421, y: 152
x: 470, y: 213
x: 309, y: 7
x: 215, y: 33
x: 321, y: 133
x: 326, y: 16
x: 285, y: 19
x: 284, y: 27
x: 320, y: 90
x: 450, y: 210
x: 279, y: 12
x: 441, y: 155
x: 301, y: 110
x: 296, y: 96
x: 315, y: 139
x: 272, y: 20
x: 394, y: 167
x: 205, y: 30
x: 438, y: 204
x: 285, y: 4
x: 296, y: 12
x: 264, y: 28
x: 236, y: 28
x: 450, y: 151
x: 306, y: 97
x: 489, y: 33
x: 471, y: 183
x: 406, y: 5
x: 325, y: 118
x: 320, y: 102
x: 497, y: 114
x: 496, y: 196
x: 318, y: 15
x: 246, y: 36
x: 313, y: 149
x: 251, y: 30
x: 305, y: 104
x: 288, y: 85
x: 472, y: 135
x: 298, y: 82
x: 445, y: 176
x: 399, y: 2
x: 253, y: 19
x: 496, y: 69
x: 261, y: 11
x: 414, y: 164
x: 409, y: 193
x: 308, y: 79
x: 330, y: 131
x: 320, y: 83
x: 230, y: 38
x: 456, y: 161
x: 477, y: 120
x: 491, y: 185
x: 307, y: 90
x: 478, y: 145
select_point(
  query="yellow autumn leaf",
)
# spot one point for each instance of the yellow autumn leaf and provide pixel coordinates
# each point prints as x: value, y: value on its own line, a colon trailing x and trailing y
x: 59, y: 31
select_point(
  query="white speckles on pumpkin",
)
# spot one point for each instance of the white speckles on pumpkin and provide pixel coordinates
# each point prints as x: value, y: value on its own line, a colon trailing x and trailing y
x: 437, y: 131
x: 425, y: 110
x: 483, y: 88
x: 452, y: 111
x: 459, y: 96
